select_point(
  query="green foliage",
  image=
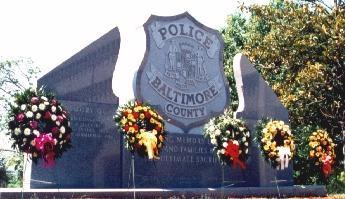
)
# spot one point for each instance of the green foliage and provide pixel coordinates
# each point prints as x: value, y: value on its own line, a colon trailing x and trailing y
x: 15, y: 75
x: 15, y: 170
x: 3, y: 175
x: 299, y: 49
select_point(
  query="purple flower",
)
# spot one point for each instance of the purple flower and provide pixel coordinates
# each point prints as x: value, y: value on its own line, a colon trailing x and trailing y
x: 33, y: 124
x: 53, y: 102
x: 20, y: 117
x: 59, y: 118
x: 35, y: 100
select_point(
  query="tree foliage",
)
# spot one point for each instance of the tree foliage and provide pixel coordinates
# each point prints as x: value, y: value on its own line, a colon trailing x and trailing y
x: 299, y: 49
x: 15, y: 75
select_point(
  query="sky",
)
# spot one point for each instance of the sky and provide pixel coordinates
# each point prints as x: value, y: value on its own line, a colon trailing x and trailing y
x: 49, y: 32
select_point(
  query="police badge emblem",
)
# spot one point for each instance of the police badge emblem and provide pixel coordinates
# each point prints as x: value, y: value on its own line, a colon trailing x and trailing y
x: 182, y: 72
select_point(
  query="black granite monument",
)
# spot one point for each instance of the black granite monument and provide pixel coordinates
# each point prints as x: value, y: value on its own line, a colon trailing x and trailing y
x: 83, y: 83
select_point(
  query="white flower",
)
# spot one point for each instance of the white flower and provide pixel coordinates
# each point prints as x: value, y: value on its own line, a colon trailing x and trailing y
x: 62, y: 129
x: 222, y: 151
x: 38, y: 116
x: 213, y: 141
x: 53, y: 109
x: 35, y: 132
x: 211, y: 129
x: 225, y: 144
x: 15, y: 105
x: 246, y: 151
x: 57, y: 123
x: 246, y: 143
x: 227, y: 132
x: 27, y: 131
x: 61, y: 142
x: 42, y: 107
x: 46, y: 103
x: 53, y: 117
x: 217, y: 132
x: 23, y: 107
x: 244, y: 139
x: 44, y: 98
x: 60, y: 136
x: 241, y: 129
x: 218, y: 152
x: 29, y: 114
x: 34, y: 108
x: 60, y: 108
x: 235, y: 142
x: 17, y: 131
x: 248, y: 134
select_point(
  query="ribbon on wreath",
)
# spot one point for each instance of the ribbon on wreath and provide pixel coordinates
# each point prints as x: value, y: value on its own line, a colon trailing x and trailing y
x: 232, y: 150
x: 45, y: 143
x: 149, y: 140
x: 327, y: 165
x: 283, y: 159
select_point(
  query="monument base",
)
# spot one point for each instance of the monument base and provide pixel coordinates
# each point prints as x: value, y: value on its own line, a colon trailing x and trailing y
x: 239, y: 192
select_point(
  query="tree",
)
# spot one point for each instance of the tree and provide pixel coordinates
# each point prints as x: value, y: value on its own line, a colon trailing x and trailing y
x: 299, y: 49
x: 15, y: 75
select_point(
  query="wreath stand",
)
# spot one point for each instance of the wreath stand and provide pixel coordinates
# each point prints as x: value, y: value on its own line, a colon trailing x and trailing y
x: 132, y: 174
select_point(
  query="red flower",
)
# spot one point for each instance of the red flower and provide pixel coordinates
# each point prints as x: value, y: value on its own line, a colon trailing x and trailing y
x: 53, y: 102
x: 135, y: 115
x: 126, y: 128
x: 55, y: 130
x: 33, y: 124
x: 125, y: 114
x: 136, y: 127
x: 147, y: 115
x: 158, y: 129
x: 20, y: 117
x: 47, y: 115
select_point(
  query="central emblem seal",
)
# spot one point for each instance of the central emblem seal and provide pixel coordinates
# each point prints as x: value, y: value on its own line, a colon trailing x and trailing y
x: 182, y: 72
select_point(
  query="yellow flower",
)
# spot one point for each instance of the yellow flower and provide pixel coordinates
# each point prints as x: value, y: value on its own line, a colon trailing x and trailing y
x: 142, y: 116
x: 131, y: 117
x: 123, y: 121
x: 266, y: 147
x: 313, y: 144
x: 152, y: 121
x: 312, y: 153
x: 154, y: 131
x: 161, y: 138
x: 286, y: 128
x: 131, y: 129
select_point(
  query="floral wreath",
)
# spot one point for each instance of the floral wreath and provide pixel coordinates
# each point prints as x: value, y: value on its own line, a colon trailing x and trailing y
x: 142, y: 128
x: 39, y: 126
x: 276, y: 142
x: 322, y: 151
x: 230, y: 139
